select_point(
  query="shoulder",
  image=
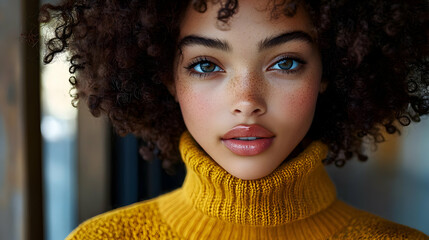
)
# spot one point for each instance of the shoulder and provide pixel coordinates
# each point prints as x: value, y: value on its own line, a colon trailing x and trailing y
x: 137, y: 221
x: 370, y: 226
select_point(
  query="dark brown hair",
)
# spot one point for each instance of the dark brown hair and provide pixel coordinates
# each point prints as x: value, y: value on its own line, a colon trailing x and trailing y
x: 374, y: 55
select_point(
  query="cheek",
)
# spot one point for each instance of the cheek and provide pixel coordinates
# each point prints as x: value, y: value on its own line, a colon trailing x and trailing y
x: 298, y: 107
x: 195, y: 105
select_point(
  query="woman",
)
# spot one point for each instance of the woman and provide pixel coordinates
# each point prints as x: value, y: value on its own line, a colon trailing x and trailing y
x: 256, y: 94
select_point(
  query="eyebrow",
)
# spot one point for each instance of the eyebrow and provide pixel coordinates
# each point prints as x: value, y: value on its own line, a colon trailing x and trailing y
x: 283, y: 38
x: 263, y: 45
x: 207, y: 42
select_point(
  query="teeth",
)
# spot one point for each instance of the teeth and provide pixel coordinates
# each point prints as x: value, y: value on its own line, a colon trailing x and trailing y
x: 246, y: 138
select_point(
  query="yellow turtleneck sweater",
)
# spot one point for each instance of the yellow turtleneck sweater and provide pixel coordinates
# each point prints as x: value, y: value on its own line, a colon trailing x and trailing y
x: 296, y: 201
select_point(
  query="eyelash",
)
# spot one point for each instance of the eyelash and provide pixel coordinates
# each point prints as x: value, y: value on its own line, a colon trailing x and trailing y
x: 195, y: 62
x: 201, y: 60
x: 299, y: 61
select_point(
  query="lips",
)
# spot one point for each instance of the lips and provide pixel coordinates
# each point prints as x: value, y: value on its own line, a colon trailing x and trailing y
x: 248, y: 140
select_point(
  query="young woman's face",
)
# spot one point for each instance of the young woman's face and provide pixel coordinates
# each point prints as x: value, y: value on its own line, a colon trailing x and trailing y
x: 248, y: 93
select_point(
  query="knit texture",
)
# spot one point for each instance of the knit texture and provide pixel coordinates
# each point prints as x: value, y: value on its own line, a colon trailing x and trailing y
x: 296, y: 201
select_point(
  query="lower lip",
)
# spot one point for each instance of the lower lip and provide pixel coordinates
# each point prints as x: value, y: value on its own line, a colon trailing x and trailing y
x: 248, y: 148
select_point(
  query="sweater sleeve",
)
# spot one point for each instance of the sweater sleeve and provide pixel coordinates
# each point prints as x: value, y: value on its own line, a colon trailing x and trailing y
x: 91, y: 229
x: 110, y: 225
x: 137, y: 221
x: 369, y: 226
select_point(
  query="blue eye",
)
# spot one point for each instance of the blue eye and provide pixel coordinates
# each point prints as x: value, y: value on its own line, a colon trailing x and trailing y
x: 286, y: 64
x: 206, y: 67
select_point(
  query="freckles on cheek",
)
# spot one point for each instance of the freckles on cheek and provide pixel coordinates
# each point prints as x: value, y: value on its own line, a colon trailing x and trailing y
x: 195, y: 106
x: 300, y: 104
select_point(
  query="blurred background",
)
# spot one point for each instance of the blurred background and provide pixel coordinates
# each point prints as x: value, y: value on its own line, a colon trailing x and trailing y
x: 60, y: 166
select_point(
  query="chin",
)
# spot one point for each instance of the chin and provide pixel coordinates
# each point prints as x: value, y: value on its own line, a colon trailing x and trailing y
x: 249, y: 175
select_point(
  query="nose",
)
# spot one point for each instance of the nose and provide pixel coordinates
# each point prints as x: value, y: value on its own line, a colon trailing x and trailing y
x: 248, y: 94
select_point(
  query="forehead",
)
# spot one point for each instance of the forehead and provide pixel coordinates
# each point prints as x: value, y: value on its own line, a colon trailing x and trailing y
x: 253, y: 19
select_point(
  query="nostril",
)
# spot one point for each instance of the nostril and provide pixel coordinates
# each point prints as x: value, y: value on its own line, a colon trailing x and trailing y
x: 248, y: 111
x: 249, y: 108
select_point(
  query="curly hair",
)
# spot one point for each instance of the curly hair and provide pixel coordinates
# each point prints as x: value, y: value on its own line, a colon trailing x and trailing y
x: 374, y: 56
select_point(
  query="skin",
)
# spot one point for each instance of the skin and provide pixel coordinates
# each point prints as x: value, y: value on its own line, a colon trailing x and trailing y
x: 245, y: 84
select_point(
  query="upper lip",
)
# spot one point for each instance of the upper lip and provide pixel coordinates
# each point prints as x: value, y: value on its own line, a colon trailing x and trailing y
x: 253, y: 130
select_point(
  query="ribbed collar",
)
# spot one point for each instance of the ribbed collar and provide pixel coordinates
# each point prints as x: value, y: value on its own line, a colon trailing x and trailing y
x: 296, y: 190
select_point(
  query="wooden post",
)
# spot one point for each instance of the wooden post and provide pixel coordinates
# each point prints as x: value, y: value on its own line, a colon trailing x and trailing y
x: 32, y: 135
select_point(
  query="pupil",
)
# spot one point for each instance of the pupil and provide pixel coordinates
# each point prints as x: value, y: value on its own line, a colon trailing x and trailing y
x: 286, y: 64
x: 207, y: 67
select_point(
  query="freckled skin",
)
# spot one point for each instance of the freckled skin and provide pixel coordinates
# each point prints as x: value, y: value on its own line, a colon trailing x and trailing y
x: 248, y: 90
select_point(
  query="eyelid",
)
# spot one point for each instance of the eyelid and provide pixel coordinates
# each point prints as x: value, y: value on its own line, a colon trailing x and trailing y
x: 287, y: 57
x: 201, y: 59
